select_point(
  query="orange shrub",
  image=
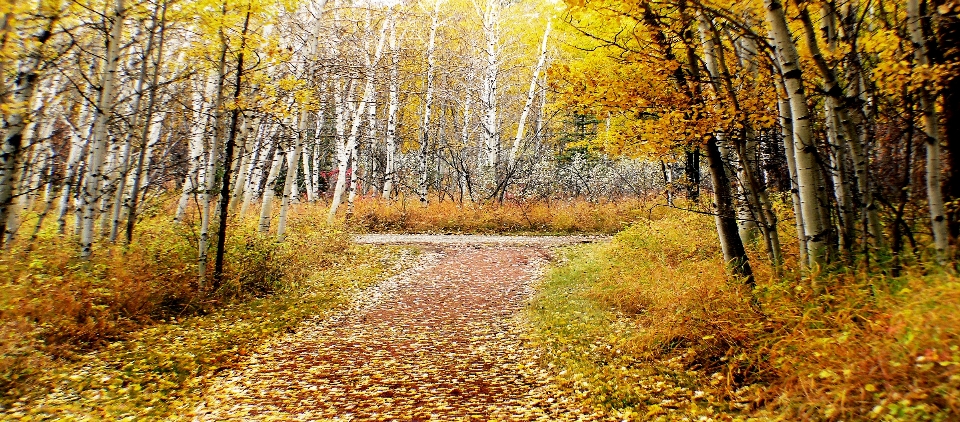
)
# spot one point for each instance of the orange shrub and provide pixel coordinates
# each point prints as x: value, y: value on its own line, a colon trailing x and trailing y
x: 557, y: 217
x: 55, y: 305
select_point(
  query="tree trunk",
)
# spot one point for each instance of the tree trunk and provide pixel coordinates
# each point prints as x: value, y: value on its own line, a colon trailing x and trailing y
x: 195, y: 173
x: 91, y: 189
x: 207, y: 194
x: 734, y: 254
x: 355, y: 127
x: 488, y: 94
x: 808, y: 172
x: 428, y: 104
x: 393, y: 100
x: 266, y: 207
x: 248, y: 139
x: 844, y: 126
x: 293, y: 164
x: 531, y: 92
x: 228, y: 159
x: 24, y: 88
x: 938, y: 222
x: 135, y: 108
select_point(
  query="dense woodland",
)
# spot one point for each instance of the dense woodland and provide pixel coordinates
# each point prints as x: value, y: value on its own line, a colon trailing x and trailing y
x: 843, y: 107
x: 819, y: 136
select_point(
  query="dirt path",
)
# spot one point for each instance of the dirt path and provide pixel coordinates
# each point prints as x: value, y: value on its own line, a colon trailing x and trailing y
x: 442, y: 341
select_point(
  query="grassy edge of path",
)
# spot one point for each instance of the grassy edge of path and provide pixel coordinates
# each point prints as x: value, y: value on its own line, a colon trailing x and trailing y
x: 649, y: 327
x: 160, y: 372
x: 589, y: 347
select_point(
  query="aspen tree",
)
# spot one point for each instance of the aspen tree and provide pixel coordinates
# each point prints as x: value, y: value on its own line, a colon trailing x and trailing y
x: 931, y: 129
x: 39, y: 148
x: 351, y: 140
x: 121, y: 181
x: 808, y: 174
x: 260, y: 138
x: 195, y: 174
x: 531, y: 93
x: 837, y: 115
x: 248, y: 144
x: 229, y: 146
x: 393, y: 101
x: 268, y: 191
x: 72, y: 173
x: 22, y: 92
x: 488, y: 93
x: 428, y: 102
x: 317, y: 158
x: 98, y: 143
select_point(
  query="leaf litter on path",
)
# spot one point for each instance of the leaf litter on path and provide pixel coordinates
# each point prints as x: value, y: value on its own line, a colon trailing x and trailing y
x: 442, y: 341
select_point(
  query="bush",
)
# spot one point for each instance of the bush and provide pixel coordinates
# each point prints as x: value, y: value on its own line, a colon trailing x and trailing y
x: 553, y: 217
x: 659, y: 328
x: 56, y: 306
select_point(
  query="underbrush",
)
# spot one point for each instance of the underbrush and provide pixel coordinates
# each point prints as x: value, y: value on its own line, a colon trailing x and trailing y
x: 551, y: 217
x: 650, y: 326
x: 131, y: 328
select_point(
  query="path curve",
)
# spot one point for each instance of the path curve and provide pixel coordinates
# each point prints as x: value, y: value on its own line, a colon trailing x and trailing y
x: 441, y: 341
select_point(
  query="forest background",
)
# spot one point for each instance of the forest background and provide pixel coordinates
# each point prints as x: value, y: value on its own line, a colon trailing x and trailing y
x: 175, y: 158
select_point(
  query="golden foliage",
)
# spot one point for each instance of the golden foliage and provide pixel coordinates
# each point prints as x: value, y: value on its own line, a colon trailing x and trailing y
x: 650, y: 325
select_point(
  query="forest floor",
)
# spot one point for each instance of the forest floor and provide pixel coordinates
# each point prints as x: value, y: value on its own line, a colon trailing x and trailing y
x: 444, y: 340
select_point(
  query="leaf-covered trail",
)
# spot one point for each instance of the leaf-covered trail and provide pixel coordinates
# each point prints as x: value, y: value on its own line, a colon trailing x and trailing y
x: 441, y: 341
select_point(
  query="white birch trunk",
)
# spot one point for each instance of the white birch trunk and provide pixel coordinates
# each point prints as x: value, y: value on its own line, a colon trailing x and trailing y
x: 293, y: 163
x: 317, y: 153
x: 247, y: 140
x: 393, y: 100
x: 808, y: 173
x: 207, y: 194
x: 195, y: 172
x: 372, y: 136
x: 266, y: 207
x: 531, y: 93
x: 428, y: 103
x: 354, y: 177
x: 307, y: 173
x: 78, y: 147
x: 14, y: 123
x: 938, y: 221
x: 464, y: 140
x: 254, y: 170
x: 845, y: 126
x: 127, y: 148
x: 91, y: 190
x: 355, y: 127
x: 488, y: 94
x: 153, y: 139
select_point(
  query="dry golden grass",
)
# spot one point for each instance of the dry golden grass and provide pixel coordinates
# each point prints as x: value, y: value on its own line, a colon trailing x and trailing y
x: 554, y: 217
x: 690, y: 341
x: 56, y: 306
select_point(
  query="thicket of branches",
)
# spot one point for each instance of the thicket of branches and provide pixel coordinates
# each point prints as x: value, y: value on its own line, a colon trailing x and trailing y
x: 846, y: 106
x: 113, y: 107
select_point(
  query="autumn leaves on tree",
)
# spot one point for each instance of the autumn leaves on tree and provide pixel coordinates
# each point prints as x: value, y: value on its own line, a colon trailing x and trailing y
x: 112, y: 107
x: 827, y: 92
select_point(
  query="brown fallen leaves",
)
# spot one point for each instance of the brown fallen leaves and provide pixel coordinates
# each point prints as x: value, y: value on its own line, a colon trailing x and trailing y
x: 443, y: 341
